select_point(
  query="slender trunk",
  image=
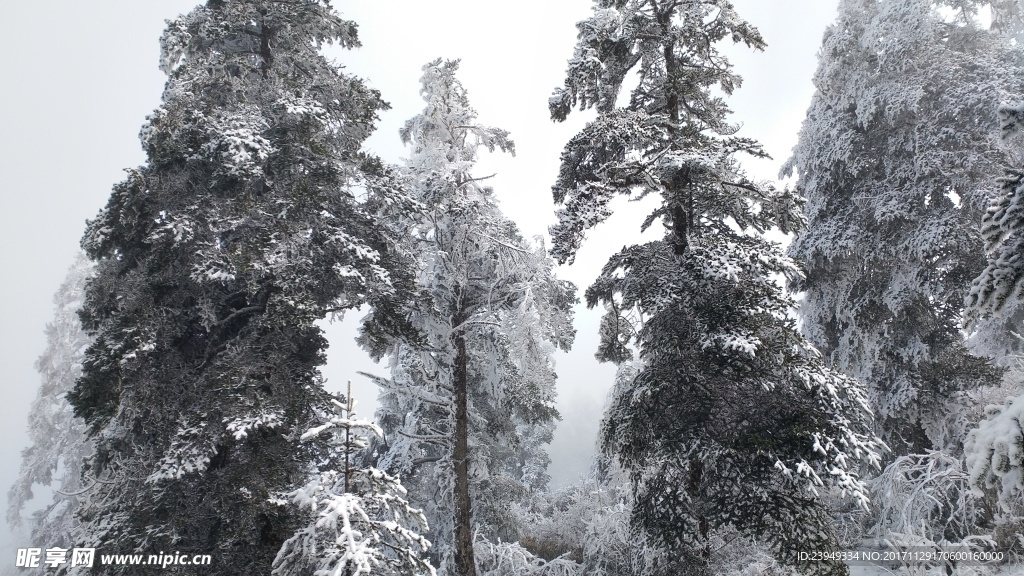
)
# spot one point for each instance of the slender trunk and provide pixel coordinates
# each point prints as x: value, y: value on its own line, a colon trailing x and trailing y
x: 266, y: 56
x: 703, y: 560
x: 682, y: 208
x: 348, y: 454
x: 465, y: 564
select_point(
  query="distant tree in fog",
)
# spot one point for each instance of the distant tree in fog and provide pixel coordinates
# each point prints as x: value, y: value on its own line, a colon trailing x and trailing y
x: 58, y: 445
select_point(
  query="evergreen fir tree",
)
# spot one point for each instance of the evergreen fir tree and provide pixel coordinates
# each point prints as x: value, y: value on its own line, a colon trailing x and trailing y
x: 252, y: 218
x: 732, y: 420
x: 58, y: 444
x: 997, y: 294
x: 360, y: 521
x: 894, y: 158
x: 995, y: 448
x: 467, y: 412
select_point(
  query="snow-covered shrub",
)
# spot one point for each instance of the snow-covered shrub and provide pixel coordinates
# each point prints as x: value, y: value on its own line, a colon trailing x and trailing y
x: 927, y: 495
x: 556, y: 521
x: 925, y: 501
x: 511, y: 559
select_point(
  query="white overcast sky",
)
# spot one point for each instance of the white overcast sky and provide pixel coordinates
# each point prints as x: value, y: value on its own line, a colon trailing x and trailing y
x: 78, y: 78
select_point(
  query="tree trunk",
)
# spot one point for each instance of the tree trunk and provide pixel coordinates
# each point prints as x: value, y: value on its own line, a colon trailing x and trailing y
x: 682, y: 208
x: 465, y: 564
x: 702, y: 565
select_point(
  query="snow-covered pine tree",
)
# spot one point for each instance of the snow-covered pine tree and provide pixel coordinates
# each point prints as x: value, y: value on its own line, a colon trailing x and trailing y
x: 894, y: 158
x: 733, y: 418
x: 58, y: 444
x: 464, y: 413
x: 359, y: 519
x: 253, y: 217
x: 995, y: 449
x: 997, y: 294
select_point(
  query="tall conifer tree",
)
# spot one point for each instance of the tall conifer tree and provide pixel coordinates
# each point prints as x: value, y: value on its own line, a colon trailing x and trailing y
x: 467, y: 412
x: 732, y: 418
x: 895, y: 158
x: 214, y: 260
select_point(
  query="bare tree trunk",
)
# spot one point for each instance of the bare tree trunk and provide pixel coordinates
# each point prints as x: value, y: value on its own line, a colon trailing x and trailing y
x: 703, y: 563
x: 465, y: 564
